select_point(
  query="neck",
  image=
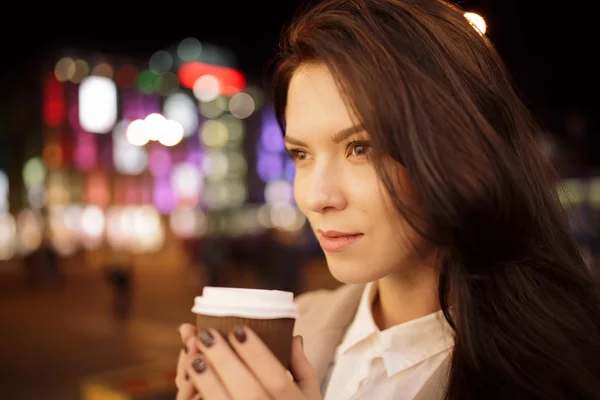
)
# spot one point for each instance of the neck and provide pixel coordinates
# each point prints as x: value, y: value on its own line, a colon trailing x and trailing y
x: 406, y: 295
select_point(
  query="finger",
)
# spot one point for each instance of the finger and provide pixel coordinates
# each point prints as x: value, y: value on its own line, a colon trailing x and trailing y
x: 185, y: 389
x: 186, y: 331
x: 181, y: 363
x: 181, y: 379
x: 263, y: 363
x: 236, y: 377
x: 205, y: 380
x: 302, y: 370
x: 190, y: 346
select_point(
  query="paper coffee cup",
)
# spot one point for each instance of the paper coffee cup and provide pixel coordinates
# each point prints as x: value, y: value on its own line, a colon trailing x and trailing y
x: 269, y: 313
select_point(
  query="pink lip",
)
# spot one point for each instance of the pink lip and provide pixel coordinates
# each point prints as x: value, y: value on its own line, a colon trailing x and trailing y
x: 337, y: 241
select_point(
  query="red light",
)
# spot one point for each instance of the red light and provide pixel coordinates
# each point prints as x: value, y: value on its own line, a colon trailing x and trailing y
x: 125, y: 76
x: 54, y: 112
x: 53, y: 88
x: 232, y: 81
x: 55, y: 108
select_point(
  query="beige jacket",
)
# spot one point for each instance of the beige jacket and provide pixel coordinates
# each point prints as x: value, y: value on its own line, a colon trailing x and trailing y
x: 324, y: 317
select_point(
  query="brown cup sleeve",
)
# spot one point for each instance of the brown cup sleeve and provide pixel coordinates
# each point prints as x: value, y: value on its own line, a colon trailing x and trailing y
x: 275, y: 333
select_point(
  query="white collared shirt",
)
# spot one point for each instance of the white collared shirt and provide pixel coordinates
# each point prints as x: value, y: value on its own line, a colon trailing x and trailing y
x: 389, y: 364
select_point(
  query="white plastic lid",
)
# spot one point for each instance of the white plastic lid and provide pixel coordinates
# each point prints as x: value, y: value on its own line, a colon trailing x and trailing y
x: 245, y: 303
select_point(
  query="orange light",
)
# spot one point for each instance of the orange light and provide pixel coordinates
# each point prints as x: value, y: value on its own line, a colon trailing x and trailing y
x: 232, y: 81
x: 97, y: 190
x: 52, y: 155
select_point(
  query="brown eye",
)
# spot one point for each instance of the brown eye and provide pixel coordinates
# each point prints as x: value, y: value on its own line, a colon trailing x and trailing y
x: 360, y: 149
x: 296, y: 154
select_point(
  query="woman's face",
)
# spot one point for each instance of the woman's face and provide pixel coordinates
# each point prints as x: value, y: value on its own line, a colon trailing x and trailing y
x: 336, y: 187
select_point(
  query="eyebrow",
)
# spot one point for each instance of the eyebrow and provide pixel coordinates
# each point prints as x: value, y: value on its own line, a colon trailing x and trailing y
x: 337, y: 137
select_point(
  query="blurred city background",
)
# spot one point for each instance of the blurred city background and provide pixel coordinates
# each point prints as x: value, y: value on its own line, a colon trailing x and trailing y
x: 140, y: 161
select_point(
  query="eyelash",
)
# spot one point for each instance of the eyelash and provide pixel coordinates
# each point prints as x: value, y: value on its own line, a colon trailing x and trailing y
x: 294, y: 154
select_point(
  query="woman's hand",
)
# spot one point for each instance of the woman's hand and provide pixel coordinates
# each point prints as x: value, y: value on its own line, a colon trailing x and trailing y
x: 185, y: 387
x: 242, y: 369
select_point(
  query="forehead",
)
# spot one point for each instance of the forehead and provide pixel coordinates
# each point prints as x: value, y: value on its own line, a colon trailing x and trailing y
x: 314, y: 103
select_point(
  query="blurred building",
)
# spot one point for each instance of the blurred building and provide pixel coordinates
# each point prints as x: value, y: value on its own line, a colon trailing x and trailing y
x: 133, y: 155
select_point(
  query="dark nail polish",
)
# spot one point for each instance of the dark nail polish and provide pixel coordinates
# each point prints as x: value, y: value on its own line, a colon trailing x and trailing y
x: 301, y: 341
x: 207, y: 339
x: 240, y: 334
x: 184, y: 348
x: 199, y: 365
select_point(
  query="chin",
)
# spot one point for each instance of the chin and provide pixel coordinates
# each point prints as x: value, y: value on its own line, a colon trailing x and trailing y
x: 352, y: 271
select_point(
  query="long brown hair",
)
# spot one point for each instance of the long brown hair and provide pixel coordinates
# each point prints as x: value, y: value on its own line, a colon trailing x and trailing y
x: 434, y: 95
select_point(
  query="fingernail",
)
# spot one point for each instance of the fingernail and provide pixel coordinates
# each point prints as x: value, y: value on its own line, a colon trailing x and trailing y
x: 199, y: 365
x: 240, y: 334
x: 301, y: 341
x: 207, y: 339
x: 185, y: 348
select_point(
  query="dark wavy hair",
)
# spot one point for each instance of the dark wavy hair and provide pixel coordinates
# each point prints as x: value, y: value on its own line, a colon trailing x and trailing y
x: 435, y: 96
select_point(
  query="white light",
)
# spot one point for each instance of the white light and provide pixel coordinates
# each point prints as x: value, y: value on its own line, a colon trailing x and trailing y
x: 97, y: 104
x: 182, y: 108
x: 241, y: 105
x: 186, y: 180
x: 136, y: 133
x: 129, y: 159
x: 206, y: 88
x: 154, y: 126
x: 92, y: 221
x: 30, y: 230
x: 477, y: 21
x: 278, y: 191
x: 187, y: 222
x: 172, y: 134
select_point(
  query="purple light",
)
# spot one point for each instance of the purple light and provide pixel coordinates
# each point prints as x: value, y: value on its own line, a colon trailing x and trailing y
x: 271, y: 137
x: 163, y: 196
x: 86, y: 151
x: 106, y: 155
x: 132, y: 106
x: 73, y: 115
x: 152, y: 104
x: 138, y: 106
x: 159, y: 161
x: 290, y: 170
x: 195, y: 156
x: 269, y: 166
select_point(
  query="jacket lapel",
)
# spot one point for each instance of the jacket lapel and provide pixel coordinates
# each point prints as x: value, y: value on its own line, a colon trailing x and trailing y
x: 324, y: 318
x: 435, y: 387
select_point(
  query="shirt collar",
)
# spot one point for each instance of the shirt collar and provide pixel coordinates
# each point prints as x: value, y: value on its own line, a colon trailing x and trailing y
x: 363, y: 324
x: 401, y: 346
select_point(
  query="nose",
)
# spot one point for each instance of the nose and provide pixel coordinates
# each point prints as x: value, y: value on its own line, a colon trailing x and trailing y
x: 325, y: 193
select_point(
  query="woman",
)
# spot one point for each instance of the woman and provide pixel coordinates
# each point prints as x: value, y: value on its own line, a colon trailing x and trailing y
x: 417, y: 168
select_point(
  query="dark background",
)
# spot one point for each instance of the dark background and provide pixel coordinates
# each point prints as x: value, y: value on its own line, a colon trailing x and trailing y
x: 549, y: 47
